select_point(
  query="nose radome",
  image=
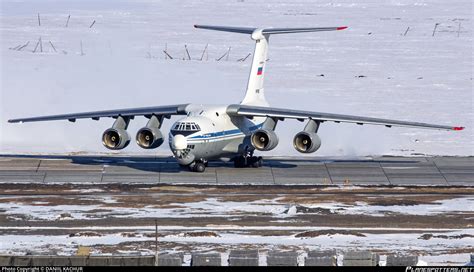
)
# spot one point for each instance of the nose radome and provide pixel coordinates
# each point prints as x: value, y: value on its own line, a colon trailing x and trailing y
x: 179, y: 142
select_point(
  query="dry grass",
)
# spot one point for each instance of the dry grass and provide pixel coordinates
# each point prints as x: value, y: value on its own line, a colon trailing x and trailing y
x: 85, y: 234
x: 317, y: 233
x: 428, y: 236
x: 201, y: 234
x: 351, y: 199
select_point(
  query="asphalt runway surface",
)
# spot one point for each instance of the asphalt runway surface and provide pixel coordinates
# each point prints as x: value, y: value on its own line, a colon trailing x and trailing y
x: 376, y: 171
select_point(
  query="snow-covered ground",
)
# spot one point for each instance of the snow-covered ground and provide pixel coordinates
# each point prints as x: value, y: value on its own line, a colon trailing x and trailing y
x: 53, y: 224
x: 370, y: 69
x: 402, y: 242
x: 214, y: 207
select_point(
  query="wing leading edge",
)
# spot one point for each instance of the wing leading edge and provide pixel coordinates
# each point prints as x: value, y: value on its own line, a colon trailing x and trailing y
x: 132, y: 112
x: 250, y: 111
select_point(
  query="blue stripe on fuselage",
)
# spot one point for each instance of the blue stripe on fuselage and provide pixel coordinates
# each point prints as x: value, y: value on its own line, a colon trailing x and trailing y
x: 224, y: 133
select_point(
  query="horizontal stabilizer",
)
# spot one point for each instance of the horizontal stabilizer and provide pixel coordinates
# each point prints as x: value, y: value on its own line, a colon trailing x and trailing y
x: 250, y: 30
x: 299, y: 30
x: 244, y: 30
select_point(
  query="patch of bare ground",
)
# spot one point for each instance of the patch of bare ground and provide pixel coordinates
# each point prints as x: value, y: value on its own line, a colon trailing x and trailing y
x: 354, y: 199
x: 281, y: 189
x: 51, y: 201
x: 428, y: 236
x: 143, y: 200
x: 316, y: 233
x: 127, y: 201
x: 35, y: 189
x: 201, y: 234
x: 169, y: 188
x: 128, y: 234
x: 153, y: 235
x: 311, y: 189
x: 300, y: 220
x: 317, y: 210
x: 264, y: 233
x: 81, y: 189
x: 85, y: 234
x: 244, y: 197
x: 388, y: 221
x: 175, y: 206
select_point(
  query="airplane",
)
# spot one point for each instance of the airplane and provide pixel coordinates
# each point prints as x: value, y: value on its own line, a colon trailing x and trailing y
x: 226, y: 132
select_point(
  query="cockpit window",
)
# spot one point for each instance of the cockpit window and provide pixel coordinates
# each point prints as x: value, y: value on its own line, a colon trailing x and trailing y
x: 186, y: 127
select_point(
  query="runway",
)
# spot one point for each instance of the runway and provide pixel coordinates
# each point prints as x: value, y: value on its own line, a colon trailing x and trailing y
x: 51, y: 204
x: 376, y: 171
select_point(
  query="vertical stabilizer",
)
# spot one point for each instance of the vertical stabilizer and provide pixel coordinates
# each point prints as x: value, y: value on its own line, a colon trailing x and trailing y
x: 255, y: 93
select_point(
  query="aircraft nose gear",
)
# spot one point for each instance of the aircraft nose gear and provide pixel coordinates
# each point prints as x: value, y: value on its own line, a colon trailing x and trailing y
x: 198, y: 166
x: 248, y: 161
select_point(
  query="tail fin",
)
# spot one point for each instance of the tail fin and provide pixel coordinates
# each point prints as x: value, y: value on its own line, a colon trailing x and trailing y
x: 255, y: 94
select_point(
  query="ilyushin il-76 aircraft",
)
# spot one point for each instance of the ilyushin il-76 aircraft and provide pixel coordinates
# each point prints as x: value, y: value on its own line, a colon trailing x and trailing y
x: 226, y: 132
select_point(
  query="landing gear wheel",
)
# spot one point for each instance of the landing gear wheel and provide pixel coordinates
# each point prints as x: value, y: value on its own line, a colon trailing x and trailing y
x: 260, y: 161
x: 253, y: 161
x: 199, y: 167
x: 239, y: 162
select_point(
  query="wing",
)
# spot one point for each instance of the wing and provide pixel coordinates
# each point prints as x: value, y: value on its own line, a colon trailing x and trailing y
x: 250, y: 111
x: 96, y: 115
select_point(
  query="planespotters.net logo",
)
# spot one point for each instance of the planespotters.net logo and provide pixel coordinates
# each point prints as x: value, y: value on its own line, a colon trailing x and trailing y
x: 439, y: 269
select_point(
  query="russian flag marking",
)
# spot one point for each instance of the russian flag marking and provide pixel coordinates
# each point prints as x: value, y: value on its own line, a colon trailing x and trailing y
x: 259, y: 71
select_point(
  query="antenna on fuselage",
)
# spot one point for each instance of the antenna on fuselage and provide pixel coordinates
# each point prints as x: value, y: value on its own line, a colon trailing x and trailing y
x: 254, y: 94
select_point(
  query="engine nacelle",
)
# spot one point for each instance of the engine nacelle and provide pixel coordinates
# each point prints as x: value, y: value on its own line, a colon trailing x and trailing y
x: 115, y: 138
x: 149, y: 137
x: 264, y: 139
x: 306, y: 142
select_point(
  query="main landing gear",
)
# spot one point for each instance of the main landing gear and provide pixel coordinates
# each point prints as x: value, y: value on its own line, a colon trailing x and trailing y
x: 248, y: 161
x: 239, y: 162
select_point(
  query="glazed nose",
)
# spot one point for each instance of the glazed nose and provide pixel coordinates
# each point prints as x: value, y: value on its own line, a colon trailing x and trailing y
x: 179, y: 142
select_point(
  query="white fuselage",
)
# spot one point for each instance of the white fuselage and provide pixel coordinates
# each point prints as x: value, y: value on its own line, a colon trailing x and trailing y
x: 220, y: 136
x: 208, y: 133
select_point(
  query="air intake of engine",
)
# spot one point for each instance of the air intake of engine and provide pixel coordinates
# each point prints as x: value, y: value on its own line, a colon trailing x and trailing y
x: 115, y: 139
x: 264, y: 139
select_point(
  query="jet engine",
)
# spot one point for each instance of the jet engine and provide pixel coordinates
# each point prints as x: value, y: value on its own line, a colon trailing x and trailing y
x: 264, y: 139
x: 149, y: 137
x: 306, y: 142
x: 115, y: 138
